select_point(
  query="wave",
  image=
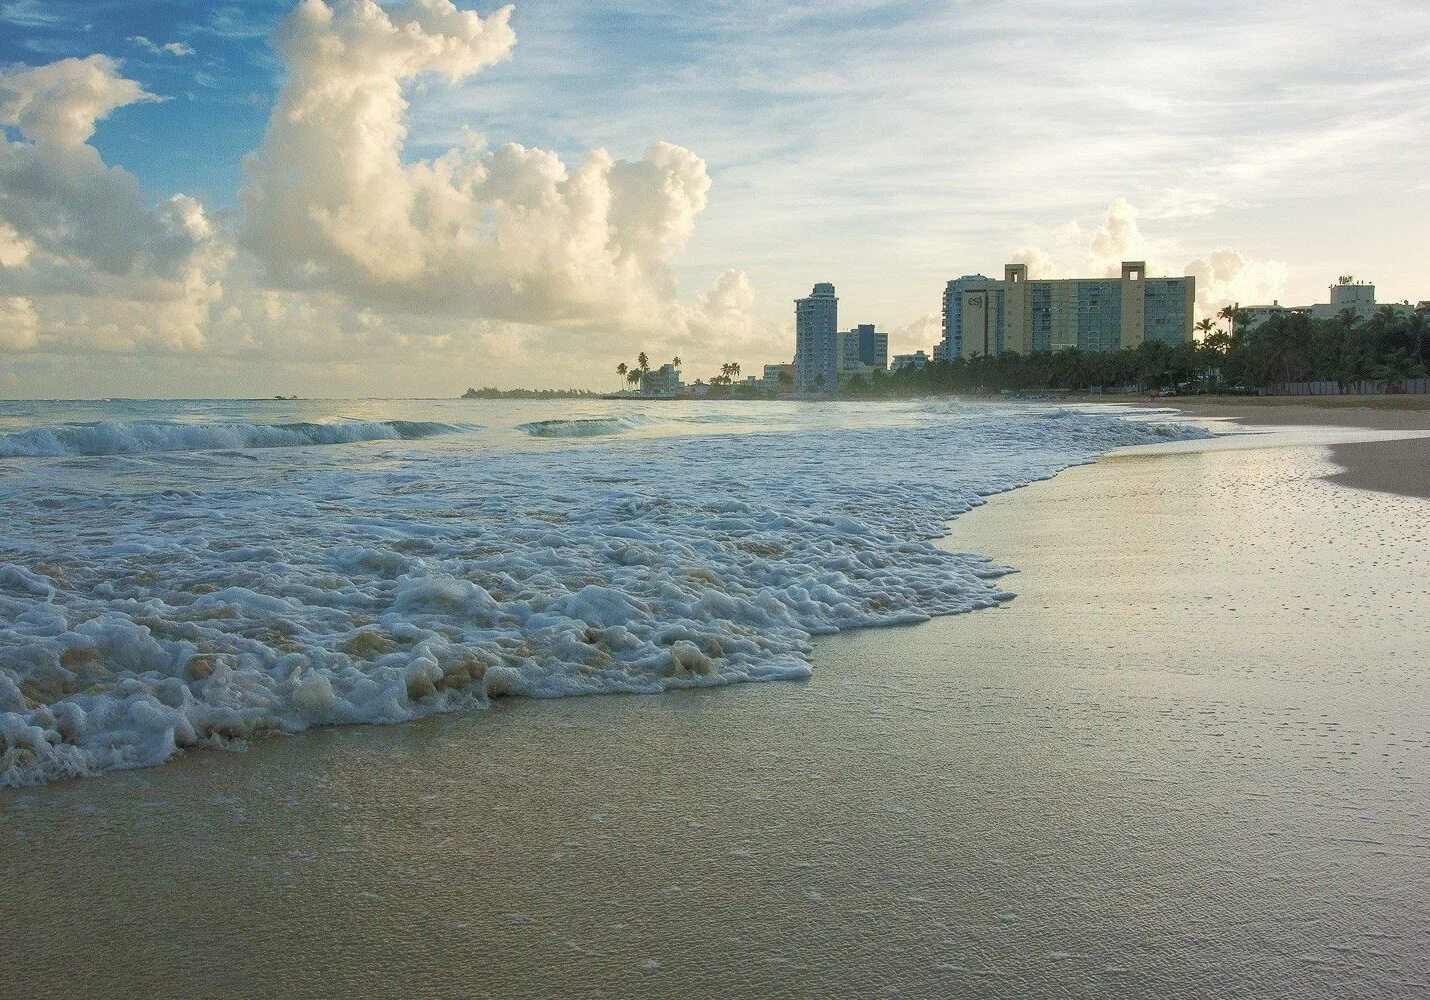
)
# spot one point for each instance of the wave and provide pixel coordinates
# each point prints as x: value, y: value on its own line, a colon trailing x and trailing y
x: 132, y: 629
x: 140, y: 437
x: 727, y: 418
x: 587, y: 426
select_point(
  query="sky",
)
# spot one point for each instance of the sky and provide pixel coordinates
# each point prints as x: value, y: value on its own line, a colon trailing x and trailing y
x: 341, y: 198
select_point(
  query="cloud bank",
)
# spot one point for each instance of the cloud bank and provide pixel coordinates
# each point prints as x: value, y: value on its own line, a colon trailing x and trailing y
x: 1224, y: 276
x: 345, y: 244
x: 94, y: 265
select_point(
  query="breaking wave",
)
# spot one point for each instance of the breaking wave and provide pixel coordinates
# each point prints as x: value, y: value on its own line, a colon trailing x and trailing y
x: 137, y: 623
x: 114, y: 438
x: 587, y: 426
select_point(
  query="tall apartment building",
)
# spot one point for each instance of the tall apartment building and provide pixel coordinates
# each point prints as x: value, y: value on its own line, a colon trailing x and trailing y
x: 986, y: 317
x: 816, y: 340
x: 952, y: 346
x: 863, y: 347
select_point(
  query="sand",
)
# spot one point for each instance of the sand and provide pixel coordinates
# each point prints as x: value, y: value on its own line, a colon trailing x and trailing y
x: 1393, y: 466
x: 1189, y: 758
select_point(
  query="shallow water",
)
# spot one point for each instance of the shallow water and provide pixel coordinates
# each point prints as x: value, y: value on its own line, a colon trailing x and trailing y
x: 1188, y: 760
x: 187, y: 574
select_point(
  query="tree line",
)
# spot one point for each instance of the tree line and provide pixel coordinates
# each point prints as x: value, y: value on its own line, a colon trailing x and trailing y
x: 1285, y: 347
x: 631, y: 374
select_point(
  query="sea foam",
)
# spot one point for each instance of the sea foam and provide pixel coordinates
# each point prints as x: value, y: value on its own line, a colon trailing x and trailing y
x: 140, y: 437
x: 292, y: 592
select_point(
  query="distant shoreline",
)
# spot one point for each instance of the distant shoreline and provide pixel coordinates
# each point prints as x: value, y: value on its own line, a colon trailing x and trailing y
x: 1399, y: 466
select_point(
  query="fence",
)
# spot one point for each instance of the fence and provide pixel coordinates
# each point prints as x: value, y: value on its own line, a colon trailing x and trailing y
x: 1360, y: 387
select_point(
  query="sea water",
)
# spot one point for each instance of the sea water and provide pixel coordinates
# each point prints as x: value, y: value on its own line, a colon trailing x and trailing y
x: 185, y: 574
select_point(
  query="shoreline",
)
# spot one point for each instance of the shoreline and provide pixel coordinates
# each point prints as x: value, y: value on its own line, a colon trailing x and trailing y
x: 1142, y: 776
x: 1400, y: 466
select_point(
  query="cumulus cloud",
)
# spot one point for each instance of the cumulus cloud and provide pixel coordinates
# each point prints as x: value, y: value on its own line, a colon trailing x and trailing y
x: 1117, y: 240
x: 920, y: 334
x: 510, y: 233
x: 1041, y: 264
x: 1226, y: 277
x: 59, y: 103
x: 1069, y: 255
x: 78, y: 244
x: 347, y: 249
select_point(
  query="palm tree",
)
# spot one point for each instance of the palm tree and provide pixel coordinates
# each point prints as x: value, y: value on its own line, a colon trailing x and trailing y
x: 1204, y: 327
x: 633, y: 377
x: 675, y: 361
x: 1415, y: 326
x: 734, y: 369
x: 621, y: 370
x: 1219, y: 342
x: 725, y: 369
x: 643, y: 362
x: 1228, y: 313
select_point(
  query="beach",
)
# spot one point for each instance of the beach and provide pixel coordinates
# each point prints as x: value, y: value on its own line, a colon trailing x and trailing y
x: 1188, y: 758
x: 1399, y: 466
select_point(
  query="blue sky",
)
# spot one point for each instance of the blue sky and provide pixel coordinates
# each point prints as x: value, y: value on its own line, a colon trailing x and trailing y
x: 885, y: 146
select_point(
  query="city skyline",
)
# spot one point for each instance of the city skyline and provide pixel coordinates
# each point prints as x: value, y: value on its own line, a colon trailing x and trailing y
x: 1232, y: 143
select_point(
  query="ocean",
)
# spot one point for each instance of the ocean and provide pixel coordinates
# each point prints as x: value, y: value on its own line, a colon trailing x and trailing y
x: 184, y: 574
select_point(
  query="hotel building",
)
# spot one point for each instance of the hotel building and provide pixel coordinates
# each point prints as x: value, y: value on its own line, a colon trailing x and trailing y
x: 1345, y: 294
x: 982, y: 316
x: 816, y: 340
x: 863, y: 348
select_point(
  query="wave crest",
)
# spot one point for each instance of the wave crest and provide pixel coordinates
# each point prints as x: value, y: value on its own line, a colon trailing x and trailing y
x: 587, y: 426
x: 114, y: 438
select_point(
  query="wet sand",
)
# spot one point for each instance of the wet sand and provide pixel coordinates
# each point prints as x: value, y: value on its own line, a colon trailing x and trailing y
x: 1189, y: 759
x: 1396, y: 467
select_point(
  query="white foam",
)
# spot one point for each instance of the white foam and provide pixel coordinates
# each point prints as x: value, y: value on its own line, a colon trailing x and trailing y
x: 141, y: 437
x: 137, y: 621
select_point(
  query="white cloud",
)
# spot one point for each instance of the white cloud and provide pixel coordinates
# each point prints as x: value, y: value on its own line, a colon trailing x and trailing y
x: 354, y: 251
x: 1118, y: 240
x: 96, y: 267
x: 921, y: 334
x: 1225, y: 277
x: 168, y: 48
x: 510, y: 233
x: 14, y: 248
x: 59, y: 103
x: 32, y: 14
x: 1041, y: 264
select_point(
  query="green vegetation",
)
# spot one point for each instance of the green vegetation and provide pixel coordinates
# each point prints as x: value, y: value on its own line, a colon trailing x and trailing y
x: 1289, y: 347
x: 492, y: 392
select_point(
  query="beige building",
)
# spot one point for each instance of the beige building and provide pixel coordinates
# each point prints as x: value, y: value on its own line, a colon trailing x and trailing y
x: 987, y: 317
x: 1346, y: 294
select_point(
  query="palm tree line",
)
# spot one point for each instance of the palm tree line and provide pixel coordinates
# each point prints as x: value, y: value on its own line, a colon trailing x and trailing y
x: 631, y: 374
x: 1226, y: 355
x: 1284, y: 348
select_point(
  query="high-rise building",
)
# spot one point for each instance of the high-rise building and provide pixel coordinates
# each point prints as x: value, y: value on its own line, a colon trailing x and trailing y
x: 1092, y: 314
x: 863, y: 347
x: 953, y: 312
x: 816, y: 340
